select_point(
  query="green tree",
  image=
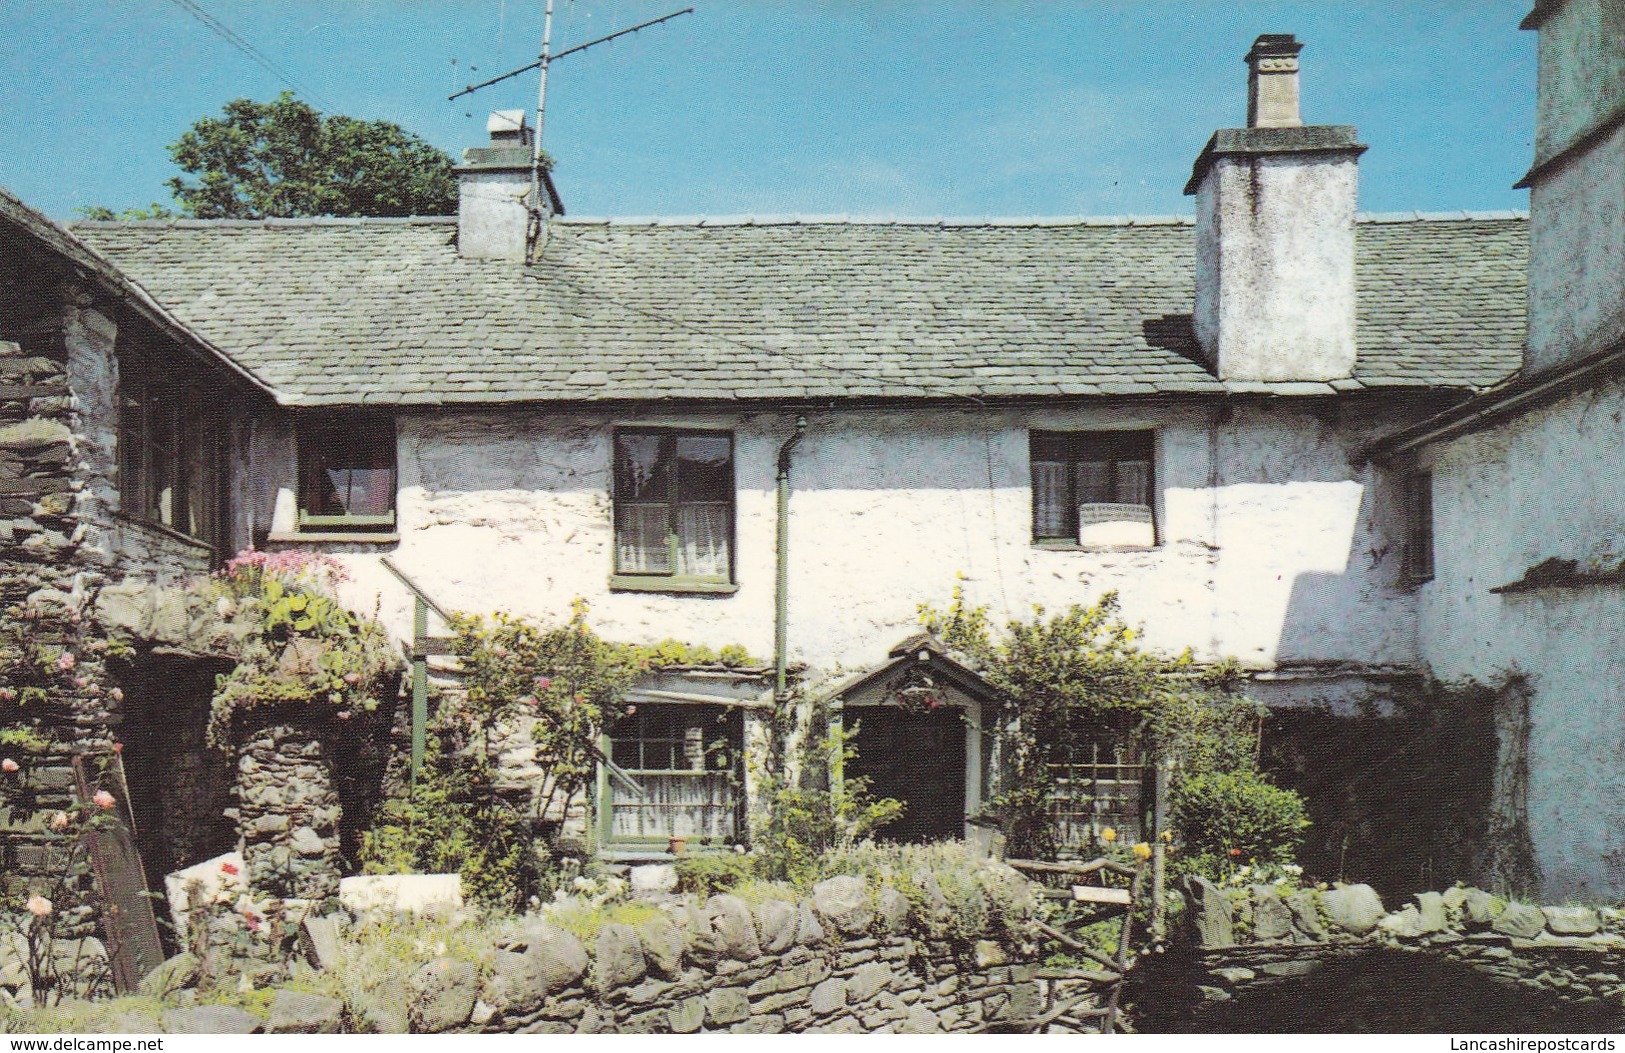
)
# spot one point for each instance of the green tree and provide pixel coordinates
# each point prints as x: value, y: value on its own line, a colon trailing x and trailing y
x: 284, y: 158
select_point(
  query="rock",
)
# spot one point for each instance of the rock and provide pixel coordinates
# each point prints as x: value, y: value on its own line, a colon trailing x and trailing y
x: 1520, y: 920
x: 515, y: 985
x: 1213, y: 994
x: 686, y: 1016
x: 211, y: 1020
x: 1430, y: 909
x: 1272, y: 919
x: 1234, y: 974
x: 844, y: 902
x: 892, y: 907
x: 828, y: 997
x: 319, y: 940
x: 619, y: 958
x: 307, y: 842
x: 1403, y: 924
x: 1211, y: 913
x: 304, y: 1013
x: 735, y: 928
x: 441, y: 995
x: 869, y: 980
x: 558, y: 954
x: 482, y: 1014
x: 1482, y: 908
x: 34, y: 433
x: 776, y: 925
x: 653, y: 879
x: 727, y: 1005
x: 920, y: 1021
x: 1572, y: 921
x: 1306, y: 913
x: 662, y: 946
x: 1353, y: 908
x: 416, y: 893
x: 989, y: 954
x: 808, y: 931
x: 1291, y: 968
x: 1454, y: 897
x: 171, y: 975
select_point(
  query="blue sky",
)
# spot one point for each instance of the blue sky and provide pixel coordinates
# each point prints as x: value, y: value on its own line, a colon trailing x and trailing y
x: 1000, y: 107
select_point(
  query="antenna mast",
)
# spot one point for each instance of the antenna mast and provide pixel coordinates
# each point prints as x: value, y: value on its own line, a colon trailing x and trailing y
x: 545, y: 61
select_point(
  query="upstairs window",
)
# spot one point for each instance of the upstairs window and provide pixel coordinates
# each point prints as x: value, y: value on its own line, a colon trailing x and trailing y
x: 674, y: 510
x: 172, y: 450
x: 347, y: 474
x: 1416, y: 491
x: 1094, y: 489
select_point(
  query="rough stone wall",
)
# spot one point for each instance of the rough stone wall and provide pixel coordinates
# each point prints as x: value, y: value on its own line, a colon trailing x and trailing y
x: 1543, y: 487
x: 1273, y: 548
x: 1241, y: 939
x: 288, y: 814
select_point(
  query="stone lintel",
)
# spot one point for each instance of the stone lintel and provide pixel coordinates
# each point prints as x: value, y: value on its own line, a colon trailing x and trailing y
x: 1255, y: 142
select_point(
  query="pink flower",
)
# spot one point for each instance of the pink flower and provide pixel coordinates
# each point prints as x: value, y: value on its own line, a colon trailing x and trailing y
x: 345, y: 715
x: 229, y: 869
x: 103, y: 799
x: 8, y: 694
x: 81, y: 681
x: 8, y: 765
x: 118, y: 747
x: 352, y: 678
x: 543, y: 683
x: 39, y: 906
x: 66, y: 662
x: 59, y: 821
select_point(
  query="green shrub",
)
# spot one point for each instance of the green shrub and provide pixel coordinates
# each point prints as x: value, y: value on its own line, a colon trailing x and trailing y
x: 1226, y: 819
x: 707, y: 873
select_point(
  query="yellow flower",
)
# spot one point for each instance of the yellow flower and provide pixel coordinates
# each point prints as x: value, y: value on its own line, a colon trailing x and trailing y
x: 1108, y: 835
x: 1142, y: 851
x: 1168, y: 836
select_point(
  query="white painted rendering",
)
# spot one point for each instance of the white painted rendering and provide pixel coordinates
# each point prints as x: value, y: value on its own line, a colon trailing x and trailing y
x: 1577, y: 255
x: 1582, y: 72
x: 1548, y: 484
x: 1275, y: 266
x: 1273, y: 550
x: 493, y: 213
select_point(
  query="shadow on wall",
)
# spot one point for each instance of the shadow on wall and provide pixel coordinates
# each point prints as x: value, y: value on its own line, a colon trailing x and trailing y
x: 1419, y: 799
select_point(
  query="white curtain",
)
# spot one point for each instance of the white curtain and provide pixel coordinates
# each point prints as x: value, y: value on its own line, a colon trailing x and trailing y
x: 640, y: 543
x: 1049, y: 498
x: 702, y: 540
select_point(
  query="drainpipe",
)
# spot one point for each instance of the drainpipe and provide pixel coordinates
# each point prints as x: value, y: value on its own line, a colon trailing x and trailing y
x: 781, y: 584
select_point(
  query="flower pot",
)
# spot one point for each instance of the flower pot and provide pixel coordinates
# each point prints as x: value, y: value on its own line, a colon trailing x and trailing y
x: 676, y: 845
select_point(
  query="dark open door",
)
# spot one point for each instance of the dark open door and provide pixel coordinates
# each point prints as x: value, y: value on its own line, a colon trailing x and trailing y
x: 918, y: 758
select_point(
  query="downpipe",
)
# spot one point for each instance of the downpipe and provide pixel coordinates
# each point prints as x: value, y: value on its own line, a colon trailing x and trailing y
x: 781, y: 581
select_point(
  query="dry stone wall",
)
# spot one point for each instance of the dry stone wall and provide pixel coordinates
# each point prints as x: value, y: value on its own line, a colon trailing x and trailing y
x: 1244, y: 939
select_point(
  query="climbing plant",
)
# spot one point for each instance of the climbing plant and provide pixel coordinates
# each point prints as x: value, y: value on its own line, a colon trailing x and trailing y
x: 299, y: 646
x: 1067, y: 674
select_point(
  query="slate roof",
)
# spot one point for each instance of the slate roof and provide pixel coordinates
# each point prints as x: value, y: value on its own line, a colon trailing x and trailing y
x: 347, y: 312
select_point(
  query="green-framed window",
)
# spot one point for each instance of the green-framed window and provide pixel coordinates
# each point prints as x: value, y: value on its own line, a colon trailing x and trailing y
x: 347, y: 473
x: 1094, y: 489
x: 674, y: 510
x: 688, y: 761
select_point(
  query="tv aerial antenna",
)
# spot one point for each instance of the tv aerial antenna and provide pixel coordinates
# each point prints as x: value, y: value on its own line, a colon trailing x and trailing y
x: 543, y: 62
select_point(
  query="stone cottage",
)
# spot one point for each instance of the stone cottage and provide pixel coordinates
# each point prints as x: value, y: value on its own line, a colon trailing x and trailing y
x: 1521, y: 489
x: 787, y: 432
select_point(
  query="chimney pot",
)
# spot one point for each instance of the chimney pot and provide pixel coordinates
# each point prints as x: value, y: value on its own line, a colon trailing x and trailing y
x: 495, y: 191
x: 1272, y: 82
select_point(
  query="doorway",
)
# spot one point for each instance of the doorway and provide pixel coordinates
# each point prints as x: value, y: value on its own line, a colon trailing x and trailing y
x: 918, y: 758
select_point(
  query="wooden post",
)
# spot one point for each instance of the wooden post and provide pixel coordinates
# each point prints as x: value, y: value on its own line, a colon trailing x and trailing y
x: 420, y: 684
x: 1159, y: 856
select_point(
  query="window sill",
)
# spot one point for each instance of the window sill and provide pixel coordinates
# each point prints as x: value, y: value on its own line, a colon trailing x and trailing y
x: 1073, y: 546
x: 640, y: 583
x: 335, y: 537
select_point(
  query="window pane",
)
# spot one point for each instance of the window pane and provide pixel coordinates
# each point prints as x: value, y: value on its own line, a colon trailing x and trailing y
x: 640, y: 539
x: 347, y: 466
x: 1049, y: 499
x: 1134, y: 482
x: 640, y: 467
x: 704, y: 468
x: 703, y: 536
x: 1095, y: 483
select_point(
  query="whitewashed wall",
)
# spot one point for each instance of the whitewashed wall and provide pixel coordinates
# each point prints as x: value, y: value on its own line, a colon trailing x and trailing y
x: 1275, y: 551
x: 1549, y: 484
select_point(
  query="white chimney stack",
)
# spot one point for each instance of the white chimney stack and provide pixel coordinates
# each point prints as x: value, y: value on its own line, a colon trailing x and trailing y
x: 494, y: 191
x: 1275, y: 206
